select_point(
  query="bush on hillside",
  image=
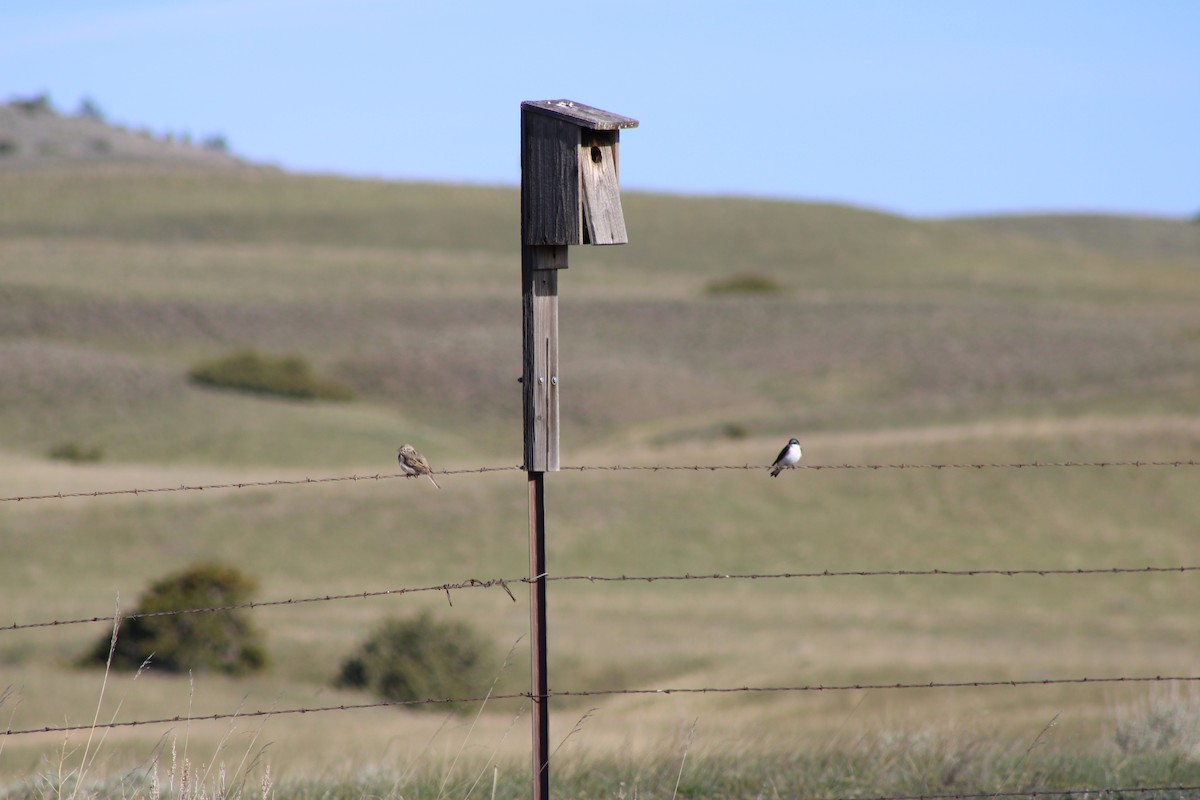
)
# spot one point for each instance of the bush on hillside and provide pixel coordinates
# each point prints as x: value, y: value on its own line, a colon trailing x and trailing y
x: 211, y: 641
x: 88, y: 109
x: 749, y: 283
x: 285, y: 376
x: 34, y: 104
x: 77, y: 452
x: 421, y: 659
x: 215, y: 142
x: 735, y: 430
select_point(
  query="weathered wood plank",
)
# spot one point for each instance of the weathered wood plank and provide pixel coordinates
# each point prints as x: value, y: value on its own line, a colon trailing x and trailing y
x: 551, y: 207
x: 551, y: 257
x: 604, y: 220
x: 539, y: 374
x: 581, y: 115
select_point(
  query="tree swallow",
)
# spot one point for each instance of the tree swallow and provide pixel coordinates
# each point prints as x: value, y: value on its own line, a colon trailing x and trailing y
x: 789, y: 456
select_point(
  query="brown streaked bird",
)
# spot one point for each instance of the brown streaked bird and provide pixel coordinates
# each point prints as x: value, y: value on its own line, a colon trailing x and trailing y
x: 412, y: 463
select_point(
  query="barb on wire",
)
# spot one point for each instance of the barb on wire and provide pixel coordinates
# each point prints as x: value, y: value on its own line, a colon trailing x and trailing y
x: 594, y: 468
x: 598, y: 693
x: 503, y: 583
x: 470, y: 583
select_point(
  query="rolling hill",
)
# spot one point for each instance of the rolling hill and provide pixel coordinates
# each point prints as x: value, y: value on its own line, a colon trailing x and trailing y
x: 33, y: 134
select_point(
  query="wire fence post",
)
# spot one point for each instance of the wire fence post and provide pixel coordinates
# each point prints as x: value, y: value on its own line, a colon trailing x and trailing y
x: 540, y: 679
x: 569, y: 195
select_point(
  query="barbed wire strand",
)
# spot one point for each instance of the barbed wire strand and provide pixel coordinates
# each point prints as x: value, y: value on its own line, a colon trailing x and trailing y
x: 980, y: 684
x: 382, y: 476
x: 1100, y: 793
x: 595, y: 468
x: 503, y: 583
x: 902, y: 465
x: 875, y: 573
x: 470, y: 583
x: 601, y: 693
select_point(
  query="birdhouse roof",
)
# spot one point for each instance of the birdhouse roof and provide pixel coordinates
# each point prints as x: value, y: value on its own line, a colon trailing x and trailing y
x: 578, y: 114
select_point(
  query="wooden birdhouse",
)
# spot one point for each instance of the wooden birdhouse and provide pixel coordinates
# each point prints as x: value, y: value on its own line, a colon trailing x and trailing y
x: 569, y: 195
x: 569, y: 170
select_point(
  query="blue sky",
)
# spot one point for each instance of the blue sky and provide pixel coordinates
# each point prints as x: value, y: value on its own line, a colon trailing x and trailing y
x: 922, y: 107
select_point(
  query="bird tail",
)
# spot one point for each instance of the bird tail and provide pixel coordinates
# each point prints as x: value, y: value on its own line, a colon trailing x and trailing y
x: 775, y: 472
x: 435, y: 483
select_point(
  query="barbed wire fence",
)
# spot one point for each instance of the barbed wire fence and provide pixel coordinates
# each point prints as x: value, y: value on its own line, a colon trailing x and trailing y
x: 505, y: 585
x: 381, y: 476
x: 661, y: 691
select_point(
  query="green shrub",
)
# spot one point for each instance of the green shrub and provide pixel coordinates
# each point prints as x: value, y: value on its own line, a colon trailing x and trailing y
x: 749, y: 283
x: 76, y: 452
x: 421, y: 659
x: 286, y: 376
x: 1169, y: 724
x: 735, y: 430
x: 213, y: 641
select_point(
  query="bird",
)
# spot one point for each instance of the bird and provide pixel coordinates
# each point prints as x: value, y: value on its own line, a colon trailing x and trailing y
x: 788, y: 457
x: 412, y: 463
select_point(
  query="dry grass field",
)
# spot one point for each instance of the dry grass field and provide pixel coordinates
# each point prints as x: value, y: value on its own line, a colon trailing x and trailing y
x: 891, y: 341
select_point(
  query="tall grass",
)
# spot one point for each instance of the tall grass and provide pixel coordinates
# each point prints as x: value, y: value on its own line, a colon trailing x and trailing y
x: 897, y: 764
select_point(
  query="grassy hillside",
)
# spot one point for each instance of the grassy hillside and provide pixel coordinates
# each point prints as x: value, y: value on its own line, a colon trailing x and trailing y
x: 408, y: 292
x: 892, y: 340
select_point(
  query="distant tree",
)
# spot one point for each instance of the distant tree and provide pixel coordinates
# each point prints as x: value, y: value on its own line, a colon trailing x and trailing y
x: 35, y: 104
x: 89, y: 110
x: 215, y: 142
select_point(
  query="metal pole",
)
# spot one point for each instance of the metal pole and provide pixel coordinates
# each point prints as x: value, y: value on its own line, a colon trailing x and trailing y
x: 537, y: 626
